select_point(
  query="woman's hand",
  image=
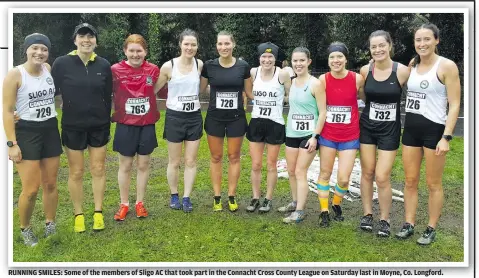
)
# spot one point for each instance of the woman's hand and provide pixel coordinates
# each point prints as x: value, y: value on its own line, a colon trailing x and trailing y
x: 15, y: 154
x: 311, y: 145
x: 442, y: 147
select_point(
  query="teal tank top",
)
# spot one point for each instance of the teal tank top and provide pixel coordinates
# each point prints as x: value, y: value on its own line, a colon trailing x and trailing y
x: 303, y: 111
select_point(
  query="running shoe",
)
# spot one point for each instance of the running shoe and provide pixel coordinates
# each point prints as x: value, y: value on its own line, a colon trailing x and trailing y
x: 406, y: 231
x: 29, y: 237
x: 98, y: 223
x: 175, y: 202
x: 295, y: 217
x: 366, y: 223
x: 217, y: 206
x: 120, y: 215
x: 338, y: 213
x: 50, y: 229
x: 266, y: 206
x: 141, y: 211
x: 288, y: 208
x: 233, y: 206
x: 384, y: 229
x: 253, y: 205
x: 187, y: 205
x: 79, y: 226
x: 324, y: 219
x: 428, y: 236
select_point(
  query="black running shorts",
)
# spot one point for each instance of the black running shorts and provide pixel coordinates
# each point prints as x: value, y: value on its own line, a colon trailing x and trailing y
x: 266, y: 131
x: 130, y: 140
x: 236, y: 128
x: 421, y: 132
x: 388, y: 142
x: 38, y: 140
x: 80, y: 139
x: 299, y: 142
x: 182, y: 126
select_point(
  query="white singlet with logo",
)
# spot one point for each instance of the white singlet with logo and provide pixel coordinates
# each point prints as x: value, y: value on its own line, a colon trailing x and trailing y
x: 426, y: 95
x: 338, y: 114
x: 36, y: 96
x: 268, y: 97
x: 183, y: 90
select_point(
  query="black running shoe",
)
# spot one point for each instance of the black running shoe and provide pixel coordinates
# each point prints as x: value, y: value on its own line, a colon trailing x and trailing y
x: 384, y: 229
x: 338, y: 213
x: 366, y: 223
x: 324, y: 219
x: 253, y: 205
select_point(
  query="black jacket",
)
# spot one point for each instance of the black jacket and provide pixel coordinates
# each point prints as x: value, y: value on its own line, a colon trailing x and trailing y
x: 86, y: 91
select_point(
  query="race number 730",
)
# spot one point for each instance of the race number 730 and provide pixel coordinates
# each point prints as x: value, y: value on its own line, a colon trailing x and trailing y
x: 188, y: 106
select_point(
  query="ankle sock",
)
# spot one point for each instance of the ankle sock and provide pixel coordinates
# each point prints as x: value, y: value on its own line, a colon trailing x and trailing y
x: 232, y: 199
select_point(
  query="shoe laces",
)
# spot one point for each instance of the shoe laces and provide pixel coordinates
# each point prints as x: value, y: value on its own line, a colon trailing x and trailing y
x: 253, y: 202
x: 140, y: 208
x: 266, y: 203
x: 324, y: 216
x: 406, y: 226
x: 384, y: 225
x: 428, y: 232
x: 186, y: 202
x: 28, y: 234
x: 50, y: 228
x: 367, y: 219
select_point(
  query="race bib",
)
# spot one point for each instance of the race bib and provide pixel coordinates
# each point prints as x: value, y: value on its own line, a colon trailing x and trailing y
x: 188, y: 103
x: 42, y: 109
x: 338, y: 114
x: 416, y: 102
x: 382, y: 112
x: 137, y: 106
x: 301, y: 122
x: 265, y: 109
x: 227, y: 100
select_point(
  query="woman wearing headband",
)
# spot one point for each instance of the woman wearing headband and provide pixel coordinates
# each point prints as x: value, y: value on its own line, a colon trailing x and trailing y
x: 266, y: 127
x: 34, y: 141
x: 341, y: 130
x: 307, y: 112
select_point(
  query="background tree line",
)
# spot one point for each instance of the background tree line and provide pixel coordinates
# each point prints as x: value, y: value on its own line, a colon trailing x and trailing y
x: 314, y: 31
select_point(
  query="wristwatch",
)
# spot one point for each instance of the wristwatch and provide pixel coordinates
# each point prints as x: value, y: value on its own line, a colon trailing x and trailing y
x: 447, y: 137
x: 11, y: 143
x: 316, y: 136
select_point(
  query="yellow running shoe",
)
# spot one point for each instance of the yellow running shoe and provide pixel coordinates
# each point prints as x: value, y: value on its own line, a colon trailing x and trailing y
x: 79, y: 226
x: 98, y: 223
x: 217, y: 206
x: 233, y: 206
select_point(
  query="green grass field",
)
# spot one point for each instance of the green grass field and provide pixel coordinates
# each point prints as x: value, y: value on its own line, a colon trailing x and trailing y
x: 204, y: 236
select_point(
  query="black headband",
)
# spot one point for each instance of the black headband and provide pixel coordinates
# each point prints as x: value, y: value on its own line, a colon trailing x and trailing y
x: 36, y: 38
x: 338, y: 48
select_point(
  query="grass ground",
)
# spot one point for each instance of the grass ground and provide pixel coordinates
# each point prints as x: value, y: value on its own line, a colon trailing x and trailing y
x: 204, y: 236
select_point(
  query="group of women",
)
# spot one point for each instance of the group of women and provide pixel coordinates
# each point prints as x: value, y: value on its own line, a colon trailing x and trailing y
x: 323, y: 115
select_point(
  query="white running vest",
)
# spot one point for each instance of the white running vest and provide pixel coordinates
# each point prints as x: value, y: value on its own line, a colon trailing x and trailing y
x: 36, y: 96
x: 183, y: 90
x: 268, y: 98
x: 426, y: 95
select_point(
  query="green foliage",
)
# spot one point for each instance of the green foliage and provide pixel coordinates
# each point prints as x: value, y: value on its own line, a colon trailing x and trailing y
x: 287, y: 30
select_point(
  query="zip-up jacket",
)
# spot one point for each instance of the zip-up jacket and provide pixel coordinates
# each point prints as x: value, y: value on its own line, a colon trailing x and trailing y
x: 86, y: 91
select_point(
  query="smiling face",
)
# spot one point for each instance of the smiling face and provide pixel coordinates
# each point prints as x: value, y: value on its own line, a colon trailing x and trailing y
x: 380, y: 48
x: 37, y: 54
x: 189, y: 46
x: 225, y: 46
x: 135, y: 54
x: 85, y: 42
x: 267, y: 60
x: 300, y: 63
x: 424, y: 42
x: 337, y: 61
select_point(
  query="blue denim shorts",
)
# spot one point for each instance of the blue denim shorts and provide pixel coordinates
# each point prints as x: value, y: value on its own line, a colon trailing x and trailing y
x: 340, y: 146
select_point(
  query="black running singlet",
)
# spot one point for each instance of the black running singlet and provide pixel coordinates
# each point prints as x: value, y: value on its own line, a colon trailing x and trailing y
x: 381, y: 115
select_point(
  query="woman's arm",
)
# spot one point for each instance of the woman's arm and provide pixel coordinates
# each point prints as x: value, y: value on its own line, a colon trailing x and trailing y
x: 11, y: 83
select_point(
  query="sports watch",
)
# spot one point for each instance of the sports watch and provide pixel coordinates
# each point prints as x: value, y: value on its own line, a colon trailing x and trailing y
x: 316, y: 136
x: 447, y: 137
x: 11, y: 143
